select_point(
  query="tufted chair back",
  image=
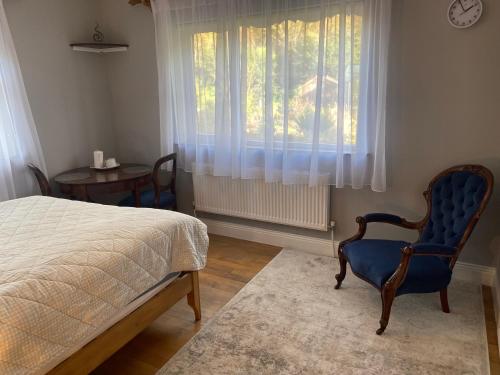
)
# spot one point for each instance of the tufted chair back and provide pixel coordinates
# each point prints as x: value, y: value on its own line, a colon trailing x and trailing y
x: 456, y: 198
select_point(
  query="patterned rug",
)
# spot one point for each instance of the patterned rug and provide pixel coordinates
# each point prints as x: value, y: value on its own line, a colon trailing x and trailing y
x: 290, y: 320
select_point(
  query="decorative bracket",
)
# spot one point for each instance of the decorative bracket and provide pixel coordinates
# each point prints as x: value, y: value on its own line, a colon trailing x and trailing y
x: 146, y: 3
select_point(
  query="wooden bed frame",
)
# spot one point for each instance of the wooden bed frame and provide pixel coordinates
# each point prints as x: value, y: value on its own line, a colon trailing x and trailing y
x: 110, y: 341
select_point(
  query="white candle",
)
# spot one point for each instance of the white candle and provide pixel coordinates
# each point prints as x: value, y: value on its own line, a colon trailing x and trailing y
x: 98, y: 159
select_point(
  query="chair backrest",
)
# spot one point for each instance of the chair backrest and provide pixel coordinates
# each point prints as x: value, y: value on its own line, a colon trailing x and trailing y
x: 156, y: 174
x: 456, y: 199
x: 45, y: 188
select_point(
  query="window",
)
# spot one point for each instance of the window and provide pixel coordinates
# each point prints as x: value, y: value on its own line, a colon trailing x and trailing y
x: 294, y: 48
x: 290, y: 91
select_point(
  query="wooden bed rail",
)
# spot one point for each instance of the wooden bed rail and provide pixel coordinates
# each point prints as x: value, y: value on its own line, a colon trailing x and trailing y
x: 110, y: 341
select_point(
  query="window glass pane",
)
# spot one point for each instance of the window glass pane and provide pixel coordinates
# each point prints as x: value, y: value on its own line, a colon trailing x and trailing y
x: 296, y: 46
x: 303, y: 65
x: 204, y: 71
x: 256, y: 78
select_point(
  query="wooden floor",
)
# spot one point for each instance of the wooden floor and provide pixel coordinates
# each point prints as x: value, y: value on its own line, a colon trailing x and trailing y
x: 491, y: 331
x: 231, y: 264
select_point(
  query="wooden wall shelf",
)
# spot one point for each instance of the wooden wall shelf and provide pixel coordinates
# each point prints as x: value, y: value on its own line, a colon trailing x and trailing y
x: 99, y: 47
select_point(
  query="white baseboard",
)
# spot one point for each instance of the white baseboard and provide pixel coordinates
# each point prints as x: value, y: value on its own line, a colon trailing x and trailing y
x: 463, y: 271
x: 475, y: 273
x: 270, y: 237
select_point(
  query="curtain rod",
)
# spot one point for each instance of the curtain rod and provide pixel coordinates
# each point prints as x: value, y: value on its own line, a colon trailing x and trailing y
x: 143, y: 2
x: 147, y: 3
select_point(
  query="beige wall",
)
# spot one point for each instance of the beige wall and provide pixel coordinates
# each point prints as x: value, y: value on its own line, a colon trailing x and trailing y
x: 68, y: 91
x: 443, y: 104
x: 133, y: 80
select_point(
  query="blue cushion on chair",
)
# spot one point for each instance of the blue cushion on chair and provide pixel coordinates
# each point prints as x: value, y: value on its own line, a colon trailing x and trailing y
x: 167, y: 199
x: 377, y: 260
x: 455, y: 199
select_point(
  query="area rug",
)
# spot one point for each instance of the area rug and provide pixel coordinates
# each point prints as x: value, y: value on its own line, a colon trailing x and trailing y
x: 290, y: 320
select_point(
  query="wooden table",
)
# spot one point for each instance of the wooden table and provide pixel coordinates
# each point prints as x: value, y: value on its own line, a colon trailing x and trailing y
x: 127, y: 177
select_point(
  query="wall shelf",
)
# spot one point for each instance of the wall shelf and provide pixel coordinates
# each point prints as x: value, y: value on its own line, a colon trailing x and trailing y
x: 99, y: 47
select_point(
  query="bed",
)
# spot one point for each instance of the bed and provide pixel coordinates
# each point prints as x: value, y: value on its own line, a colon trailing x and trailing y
x: 78, y: 280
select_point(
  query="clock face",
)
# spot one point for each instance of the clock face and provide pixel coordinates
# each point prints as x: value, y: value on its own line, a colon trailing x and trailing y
x: 464, y: 13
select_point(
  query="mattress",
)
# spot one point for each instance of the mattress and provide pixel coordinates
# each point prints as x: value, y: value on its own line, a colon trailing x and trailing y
x: 67, y: 268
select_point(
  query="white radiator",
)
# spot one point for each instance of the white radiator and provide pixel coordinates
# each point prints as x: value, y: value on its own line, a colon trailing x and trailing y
x: 296, y: 205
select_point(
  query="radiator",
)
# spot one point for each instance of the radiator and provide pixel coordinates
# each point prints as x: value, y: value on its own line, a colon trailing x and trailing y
x: 296, y: 205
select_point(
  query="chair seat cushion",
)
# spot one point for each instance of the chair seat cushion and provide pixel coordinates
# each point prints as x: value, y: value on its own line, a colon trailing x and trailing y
x: 377, y: 260
x: 167, y: 200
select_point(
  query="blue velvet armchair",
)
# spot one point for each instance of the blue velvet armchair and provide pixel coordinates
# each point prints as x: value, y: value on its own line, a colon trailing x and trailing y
x: 455, y: 200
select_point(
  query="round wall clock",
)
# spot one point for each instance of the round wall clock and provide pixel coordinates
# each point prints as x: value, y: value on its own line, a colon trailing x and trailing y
x: 464, y: 13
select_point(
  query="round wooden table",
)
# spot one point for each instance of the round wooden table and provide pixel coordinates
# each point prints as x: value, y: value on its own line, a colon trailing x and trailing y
x: 127, y: 177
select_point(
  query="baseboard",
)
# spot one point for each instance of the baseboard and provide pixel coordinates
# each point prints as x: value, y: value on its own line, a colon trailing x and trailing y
x: 474, y: 273
x: 270, y: 237
x: 463, y: 271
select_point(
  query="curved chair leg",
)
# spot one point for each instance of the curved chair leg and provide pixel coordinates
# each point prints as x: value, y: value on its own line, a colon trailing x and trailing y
x: 388, y: 295
x: 389, y: 289
x: 343, y: 267
x: 443, y: 293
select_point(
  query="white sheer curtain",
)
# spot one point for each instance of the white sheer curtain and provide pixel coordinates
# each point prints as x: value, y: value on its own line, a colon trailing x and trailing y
x: 19, y: 142
x: 281, y: 90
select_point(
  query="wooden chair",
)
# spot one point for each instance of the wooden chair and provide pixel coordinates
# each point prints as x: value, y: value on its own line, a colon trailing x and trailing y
x: 160, y: 196
x: 455, y: 199
x: 43, y: 182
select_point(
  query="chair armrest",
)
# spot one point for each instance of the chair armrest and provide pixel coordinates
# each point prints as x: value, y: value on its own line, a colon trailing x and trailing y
x: 378, y: 217
x: 416, y: 249
x: 425, y: 248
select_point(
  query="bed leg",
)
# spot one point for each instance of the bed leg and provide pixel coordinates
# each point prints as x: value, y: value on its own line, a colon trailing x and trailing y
x: 193, y: 296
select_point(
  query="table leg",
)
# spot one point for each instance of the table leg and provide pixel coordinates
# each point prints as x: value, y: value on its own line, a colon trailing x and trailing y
x: 80, y: 192
x: 137, y: 194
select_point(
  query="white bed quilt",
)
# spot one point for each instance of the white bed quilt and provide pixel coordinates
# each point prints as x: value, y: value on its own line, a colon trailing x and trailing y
x: 66, y: 267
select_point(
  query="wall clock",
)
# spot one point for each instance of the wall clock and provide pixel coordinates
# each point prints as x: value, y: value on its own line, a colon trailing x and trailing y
x: 464, y: 13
